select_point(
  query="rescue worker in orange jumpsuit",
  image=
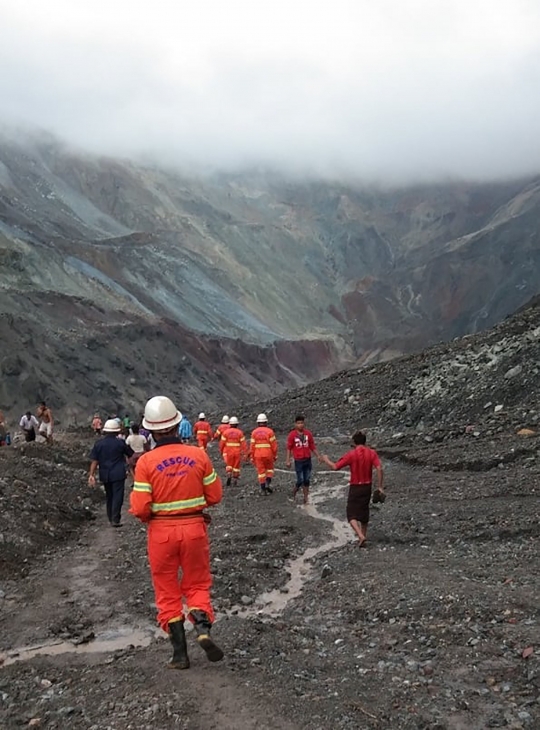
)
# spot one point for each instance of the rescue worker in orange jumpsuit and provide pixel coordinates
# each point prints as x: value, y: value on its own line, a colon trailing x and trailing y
x: 202, y: 431
x: 220, y: 430
x: 233, y: 447
x: 263, y: 452
x: 173, y: 484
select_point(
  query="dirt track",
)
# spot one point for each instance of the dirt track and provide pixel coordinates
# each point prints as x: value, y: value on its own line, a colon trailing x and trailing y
x: 425, y: 629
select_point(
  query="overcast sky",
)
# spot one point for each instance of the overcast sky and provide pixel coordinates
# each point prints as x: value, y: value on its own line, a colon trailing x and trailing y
x: 387, y: 89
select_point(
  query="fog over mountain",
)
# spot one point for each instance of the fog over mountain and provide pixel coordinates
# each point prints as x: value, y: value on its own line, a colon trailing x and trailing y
x: 397, y: 90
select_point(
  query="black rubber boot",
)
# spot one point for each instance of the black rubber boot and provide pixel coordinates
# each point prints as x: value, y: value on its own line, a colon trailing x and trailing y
x: 202, y: 626
x: 269, y: 486
x: 177, y: 635
x: 229, y: 480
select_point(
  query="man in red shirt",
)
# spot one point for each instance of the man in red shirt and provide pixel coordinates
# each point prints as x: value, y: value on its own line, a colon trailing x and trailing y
x: 174, y: 483
x: 300, y: 446
x: 361, y: 460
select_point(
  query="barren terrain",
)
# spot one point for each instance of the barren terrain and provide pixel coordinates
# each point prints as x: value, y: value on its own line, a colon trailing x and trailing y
x: 435, y: 625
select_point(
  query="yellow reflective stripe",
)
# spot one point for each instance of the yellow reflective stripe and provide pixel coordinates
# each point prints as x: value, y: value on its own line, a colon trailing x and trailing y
x: 272, y: 438
x: 232, y: 443
x: 263, y: 446
x: 210, y: 479
x: 142, y: 487
x: 181, y: 504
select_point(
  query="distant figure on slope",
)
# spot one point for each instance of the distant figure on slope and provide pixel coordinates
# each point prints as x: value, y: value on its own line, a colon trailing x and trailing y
x: 3, y: 430
x: 97, y: 424
x: 361, y: 460
x: 110, y: 454
x: 300, y: 446
x: 263, y: 452
x: 47, y: 422
x: 203, y: 432
x: 185, y: 430
x: 233, y: 448
x: 29, y: 426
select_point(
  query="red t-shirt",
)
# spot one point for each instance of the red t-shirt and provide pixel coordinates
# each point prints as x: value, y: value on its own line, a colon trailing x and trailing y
x: 361, y: 461
x: 301, y: 444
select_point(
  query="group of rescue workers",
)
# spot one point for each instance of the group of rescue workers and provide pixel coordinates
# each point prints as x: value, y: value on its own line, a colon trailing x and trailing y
x: 174, y: 482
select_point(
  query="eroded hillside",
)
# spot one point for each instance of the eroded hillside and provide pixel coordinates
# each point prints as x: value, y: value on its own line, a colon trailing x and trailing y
x: 107, y: 250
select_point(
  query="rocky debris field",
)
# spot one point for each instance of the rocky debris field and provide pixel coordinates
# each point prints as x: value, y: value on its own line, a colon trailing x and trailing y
x: 481, y: 386
x: 435, y: 625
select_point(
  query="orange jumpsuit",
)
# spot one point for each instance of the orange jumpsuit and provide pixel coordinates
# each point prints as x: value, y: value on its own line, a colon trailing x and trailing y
x: 202, y: 431
x: 220, y: 430
x: 233, y: 447
x: 263, y: 450
x: 173, y: 484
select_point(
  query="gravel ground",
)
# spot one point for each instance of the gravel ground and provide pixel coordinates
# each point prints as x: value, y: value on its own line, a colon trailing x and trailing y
x: 435, y: 625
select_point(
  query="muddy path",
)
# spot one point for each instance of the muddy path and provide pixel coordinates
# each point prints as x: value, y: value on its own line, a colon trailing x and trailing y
x: 84, y: 613
x: 435, y: 625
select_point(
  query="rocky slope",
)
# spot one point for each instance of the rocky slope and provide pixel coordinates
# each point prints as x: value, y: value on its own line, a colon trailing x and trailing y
x: 92, y: 247
x: 480, y: 388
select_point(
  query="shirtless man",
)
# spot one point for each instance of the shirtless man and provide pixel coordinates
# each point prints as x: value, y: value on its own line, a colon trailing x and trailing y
x: 47, y: 422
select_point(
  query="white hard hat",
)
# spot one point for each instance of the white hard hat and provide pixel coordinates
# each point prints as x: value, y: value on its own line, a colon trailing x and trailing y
x: 233, y: 421
x: 202, y: 416
x: 225, y: 419
x: 111, y: 426
x: 261, y: 418
x: 160, y: 414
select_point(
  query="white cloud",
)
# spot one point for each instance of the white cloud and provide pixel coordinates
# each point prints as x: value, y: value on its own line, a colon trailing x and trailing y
x: 389, y: 89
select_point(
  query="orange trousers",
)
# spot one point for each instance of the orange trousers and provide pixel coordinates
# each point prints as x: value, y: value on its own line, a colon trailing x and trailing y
x: 265, y: 467
x: 202, y: 442
x: 233, y: 462
x: 173, y: 546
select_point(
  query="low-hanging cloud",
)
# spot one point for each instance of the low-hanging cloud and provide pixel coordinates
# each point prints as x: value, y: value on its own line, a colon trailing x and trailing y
x: 388, y: 90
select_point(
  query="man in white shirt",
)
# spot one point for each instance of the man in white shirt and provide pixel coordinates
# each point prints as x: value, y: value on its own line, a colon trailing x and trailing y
x: 138, y: 443
x: 29, y: 425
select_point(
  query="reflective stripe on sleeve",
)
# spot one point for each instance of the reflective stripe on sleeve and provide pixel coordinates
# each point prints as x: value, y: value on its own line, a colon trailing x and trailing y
x: 210, y: 479
x: 142, y: 487
x: 181, y: 504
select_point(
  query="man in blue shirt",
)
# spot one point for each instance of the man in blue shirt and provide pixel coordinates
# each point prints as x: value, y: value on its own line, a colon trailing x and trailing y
x: 110, y: 453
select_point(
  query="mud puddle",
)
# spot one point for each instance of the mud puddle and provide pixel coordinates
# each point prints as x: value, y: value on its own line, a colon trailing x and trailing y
x: 273, y: 603
x: 108, y: 641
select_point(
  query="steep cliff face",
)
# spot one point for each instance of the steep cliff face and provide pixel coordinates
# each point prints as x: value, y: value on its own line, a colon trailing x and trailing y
x: 354, y: 274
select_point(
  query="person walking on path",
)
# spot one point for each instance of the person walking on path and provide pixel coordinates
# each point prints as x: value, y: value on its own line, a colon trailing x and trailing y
x: 361, y: 460
x: 220, y: 430
x: 138, y: 443
x: 97, y: 424
x: 47, y: 422
x: 234, y: 449
x: 203, y: 432
x: 185, y: 430
x: 173, y: 484
x: 263, y: 452
x: 300, y: 446
x: 110, y: 454
x: 29, y: 425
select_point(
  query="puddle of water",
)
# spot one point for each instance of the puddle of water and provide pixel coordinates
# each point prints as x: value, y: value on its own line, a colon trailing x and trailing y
x: 108, y: 641
x: 274, y: 602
